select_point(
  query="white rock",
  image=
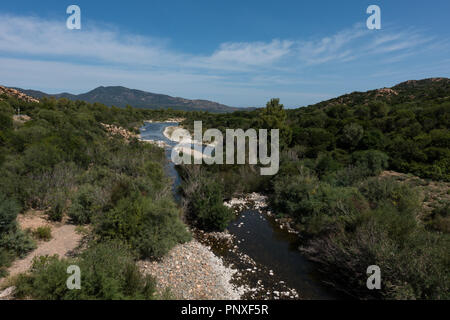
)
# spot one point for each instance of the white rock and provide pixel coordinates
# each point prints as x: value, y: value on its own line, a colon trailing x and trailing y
x: 7, y: 292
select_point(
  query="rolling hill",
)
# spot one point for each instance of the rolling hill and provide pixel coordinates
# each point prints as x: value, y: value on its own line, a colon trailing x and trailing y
x: 121, y: 97
x: 405, y: 92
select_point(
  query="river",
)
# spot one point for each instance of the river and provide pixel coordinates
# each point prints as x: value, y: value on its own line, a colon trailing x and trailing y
x: 267, y: 257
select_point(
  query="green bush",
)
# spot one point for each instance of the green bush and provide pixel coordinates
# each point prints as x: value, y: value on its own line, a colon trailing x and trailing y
x: 375, y: 161
x: 440, y: 218
x: 108, y: 272
x: 348, y: 176
x: 8, y: 212
x: 151, y: 227
x: 382, y: 191
x: 290, y: 192
x: 58, y: 204
x: 205, y: 206
x: 351, y: 135
x: 413, y: 262
x: 86, y: 203
x: 18, y: 242
x: 13, y: 241
x: 43, y: 233
x: 6, y: 257
x: 318, y: 206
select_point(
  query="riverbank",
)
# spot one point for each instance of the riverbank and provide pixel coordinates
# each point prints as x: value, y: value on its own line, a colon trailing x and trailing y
x: 259, y: 202
x: 170, y: 120
x: 192, y: 272
x: 185, y: 143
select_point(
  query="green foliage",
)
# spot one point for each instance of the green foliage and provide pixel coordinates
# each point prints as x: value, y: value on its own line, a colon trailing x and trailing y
x: 318, y: 206
x: 6, y: 257
x: 440, y: 218
x: 386, y: 191
x: 410, y: 126
x: 13, y: 241
x: 43, y: 233
x: 205, y: 207
x: 150, y: 227
x: 373, y: 160
x: 85, y: 204
x: 414, y: 262
x: 17, y: 242
x: 8, y: 213
x: 351, y: 135
x: 108, y: 272
x: 5, y: 120
x: 58, y: 204
x: 273, y: 116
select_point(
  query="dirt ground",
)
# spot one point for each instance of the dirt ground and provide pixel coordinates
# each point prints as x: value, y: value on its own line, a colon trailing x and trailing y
x: 64, y: 240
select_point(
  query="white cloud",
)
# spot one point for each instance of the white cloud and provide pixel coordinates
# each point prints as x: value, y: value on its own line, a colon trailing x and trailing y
x: 331, y: 48
x: 43, y: 54
x: 252, y: 53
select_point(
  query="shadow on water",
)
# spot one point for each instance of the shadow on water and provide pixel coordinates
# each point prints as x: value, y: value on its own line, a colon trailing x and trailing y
x: 267, y: 244
x: 259, y: 237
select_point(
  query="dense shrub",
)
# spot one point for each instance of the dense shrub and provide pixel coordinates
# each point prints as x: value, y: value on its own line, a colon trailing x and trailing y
x: 86, y: 202
x: 205, y: 204
x: 8, y: 213
x: 413, y: 262
x: 13, y: 241
x: 351, y: 135
x: 150, y: 227
x: 373, y: 160
x: 440, y: 218
x: 381, y: 191
x: 6, y: 257
x: 348, y: 176
x: 318, y: 206
x: 18, y: 242
x: 108, y: 271
x: 58, y: 205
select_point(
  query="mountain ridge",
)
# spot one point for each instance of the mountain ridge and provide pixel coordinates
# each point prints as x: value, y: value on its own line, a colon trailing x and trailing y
x: 402, y: 92
x: 120, y: 96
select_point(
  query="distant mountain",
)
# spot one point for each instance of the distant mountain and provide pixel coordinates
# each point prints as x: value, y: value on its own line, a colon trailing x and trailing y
x: 408, y: 91
x: 121, y: 97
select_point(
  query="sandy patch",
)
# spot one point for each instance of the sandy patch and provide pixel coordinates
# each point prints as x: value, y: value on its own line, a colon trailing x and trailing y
x: 64, y: 240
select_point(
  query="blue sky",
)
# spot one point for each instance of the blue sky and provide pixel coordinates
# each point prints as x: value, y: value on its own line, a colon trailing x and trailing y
x: 240, y: 53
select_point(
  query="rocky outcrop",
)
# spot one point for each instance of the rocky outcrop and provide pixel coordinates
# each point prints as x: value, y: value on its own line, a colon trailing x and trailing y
x: 17, y: 94
x: 116, y: 130
x: 386, y: 91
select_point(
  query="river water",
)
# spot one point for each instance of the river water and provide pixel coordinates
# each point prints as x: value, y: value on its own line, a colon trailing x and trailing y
x: 267, y: 257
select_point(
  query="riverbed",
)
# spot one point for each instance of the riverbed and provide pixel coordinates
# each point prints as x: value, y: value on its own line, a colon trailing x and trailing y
x: 265, y: 255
